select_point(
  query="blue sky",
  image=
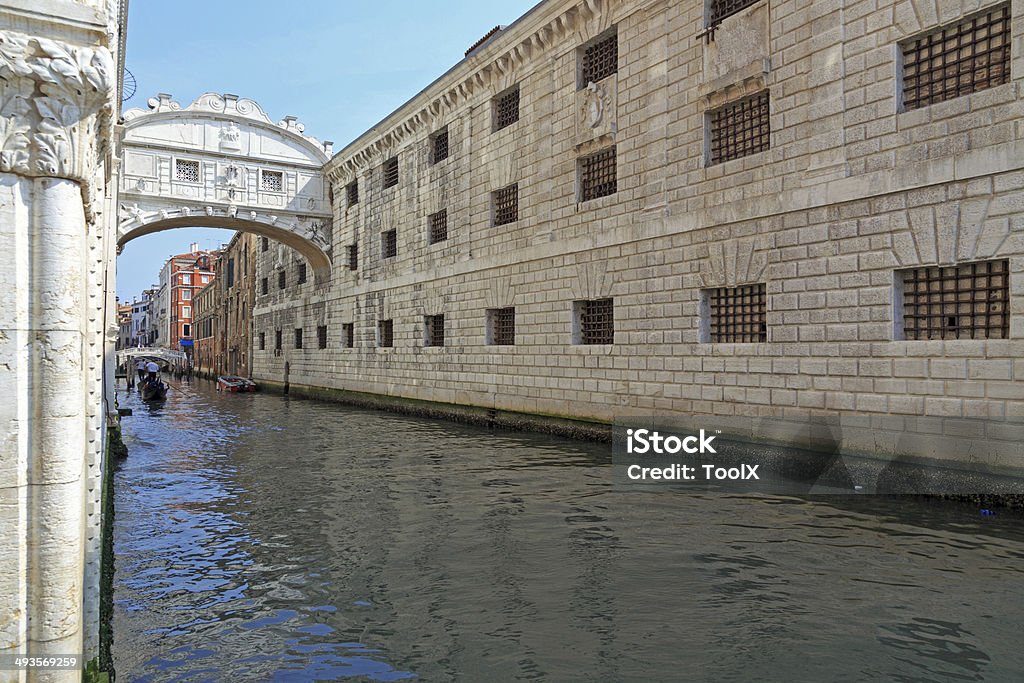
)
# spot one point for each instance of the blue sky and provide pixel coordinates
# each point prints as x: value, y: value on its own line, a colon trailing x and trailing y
x: 339, y: 66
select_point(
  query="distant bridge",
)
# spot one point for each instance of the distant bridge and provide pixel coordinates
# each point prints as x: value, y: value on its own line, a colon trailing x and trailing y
x: 156, y: 353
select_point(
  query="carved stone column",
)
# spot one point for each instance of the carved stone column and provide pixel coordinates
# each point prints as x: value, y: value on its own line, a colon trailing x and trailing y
x: 56, y: 101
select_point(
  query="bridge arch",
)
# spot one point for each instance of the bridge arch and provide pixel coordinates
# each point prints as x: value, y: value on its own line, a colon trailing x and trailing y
x: 221, y: 162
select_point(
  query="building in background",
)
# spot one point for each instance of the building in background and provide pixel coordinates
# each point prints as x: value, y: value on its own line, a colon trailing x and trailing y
x: 124, y: 326
x: 223, y: 311
x: 205, y: 311
x: 142, y: 313
x: 180, y: 278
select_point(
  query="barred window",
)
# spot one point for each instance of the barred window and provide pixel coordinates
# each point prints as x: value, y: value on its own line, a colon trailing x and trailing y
x: 501, y: 326
x: 277, y: 340
x: 506, y: 108
x: 390, y: 172
x: 321, y: 336
x: 281, y: 279
x: 186, y: 171
x: 740, y: 128
x: 971, y: 55
x: 348, y: 335
x: 298, y: 337
x: 439, y: 146
x: 434, y: 330
x: 967, y: 301
x: 720, y: 9
x: 595, y: 321
x: 352, y: 192
x: 389, y: 243
x: 438, y: 227
x: 264, y: 244
x: 599, y: 59
x: 506, y: 204
x: 272, y: 181
x: 353, y: 256
x: 597, y: 175
x: 264, y: 286
x: 386, y: 333
x: 737, y: 314
x: 302, y: 273
x: 263, y: 340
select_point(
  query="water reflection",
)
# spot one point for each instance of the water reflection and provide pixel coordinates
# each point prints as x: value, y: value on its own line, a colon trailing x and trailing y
x: 265, y: 538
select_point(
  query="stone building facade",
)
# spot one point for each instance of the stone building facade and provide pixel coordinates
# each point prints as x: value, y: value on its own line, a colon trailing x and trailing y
x: 647, y: 207
x: 224, y: 308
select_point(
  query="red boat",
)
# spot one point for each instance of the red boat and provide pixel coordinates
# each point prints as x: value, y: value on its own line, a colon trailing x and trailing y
x: 235, y: 384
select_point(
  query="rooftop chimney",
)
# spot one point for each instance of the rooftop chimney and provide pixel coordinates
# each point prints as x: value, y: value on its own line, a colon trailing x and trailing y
x: 194, y: 247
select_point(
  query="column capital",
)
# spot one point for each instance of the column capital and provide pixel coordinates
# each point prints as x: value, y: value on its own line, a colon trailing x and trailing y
x: 56, y: 107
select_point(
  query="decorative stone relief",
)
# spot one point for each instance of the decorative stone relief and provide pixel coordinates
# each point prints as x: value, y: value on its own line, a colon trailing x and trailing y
x: 740, y: 45
x: 61, y: 130
x: 596, y: 109
x: 593, y: 281
x: 230, y: 138
x: 734, y: 262
x: 227, y: 104
x: 500, y: 293
x: 952, y: 233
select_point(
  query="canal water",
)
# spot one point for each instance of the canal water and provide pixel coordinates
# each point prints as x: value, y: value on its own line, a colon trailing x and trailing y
x: 266, y: 538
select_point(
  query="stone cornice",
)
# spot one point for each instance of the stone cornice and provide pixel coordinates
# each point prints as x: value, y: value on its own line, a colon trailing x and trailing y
x: 528, y: 40
x: 56, y: 105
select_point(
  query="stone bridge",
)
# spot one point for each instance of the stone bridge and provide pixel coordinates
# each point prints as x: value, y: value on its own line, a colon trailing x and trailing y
x: 167, y: 356
x: 221, y: 162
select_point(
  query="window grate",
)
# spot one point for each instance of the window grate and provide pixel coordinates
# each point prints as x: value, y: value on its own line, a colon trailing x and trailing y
x: 738, y: 314
x: 263, y: 340
x: 439, y: 146
x: 302, y: 273
x: 506, y: 108
x: 597, y: 175
x: 186, y: 171
x: 389, y: 243
x: 353, y: 256
x: 600, y: 60
x: 740, y: 129
x: 321, y: 336
x: 277, y: 340
x: 506, y: 204
x: 281, y: 279
x: 264, y: 286
x: 597, y: 322
x: 390, y: 172
x: 435, y: 329
x: 348, y: 333
x: 386, y: 333
x: 720, y: 9
x: 438, y: 224
x: 298, y: 337
x: 272, y: 181
x: 968, y: 301
x: 503, y: 326
x: 957, y: 60
x: 264, y: 244
x: 352, y: 192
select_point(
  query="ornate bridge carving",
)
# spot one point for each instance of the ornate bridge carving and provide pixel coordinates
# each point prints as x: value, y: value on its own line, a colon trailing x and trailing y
x: 221, y: 162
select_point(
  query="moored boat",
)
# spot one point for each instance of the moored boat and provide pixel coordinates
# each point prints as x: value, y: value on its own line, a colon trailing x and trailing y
x: 235, y: 384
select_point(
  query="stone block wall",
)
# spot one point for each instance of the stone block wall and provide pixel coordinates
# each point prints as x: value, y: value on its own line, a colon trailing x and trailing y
x: 851, y: 191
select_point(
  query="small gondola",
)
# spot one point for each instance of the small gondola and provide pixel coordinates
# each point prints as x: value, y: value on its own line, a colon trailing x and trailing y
x: 153, y: 390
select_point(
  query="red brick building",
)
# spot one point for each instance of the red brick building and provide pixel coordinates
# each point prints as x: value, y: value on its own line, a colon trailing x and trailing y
x: 181, y: 277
